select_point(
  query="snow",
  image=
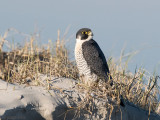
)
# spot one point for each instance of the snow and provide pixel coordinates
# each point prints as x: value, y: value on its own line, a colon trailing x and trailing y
x: 21, y: 102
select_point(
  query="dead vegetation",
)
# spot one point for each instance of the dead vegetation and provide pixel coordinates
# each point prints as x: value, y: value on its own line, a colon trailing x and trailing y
x: 28, y: 61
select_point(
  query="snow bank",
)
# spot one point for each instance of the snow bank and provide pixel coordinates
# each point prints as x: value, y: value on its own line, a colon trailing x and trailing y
x: 20, y: 102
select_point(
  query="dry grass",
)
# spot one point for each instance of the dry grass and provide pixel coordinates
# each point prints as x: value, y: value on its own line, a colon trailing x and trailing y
x: 53, y: 60
x: 134, y: 86
x: 27, y: 62
x: 128, y: 86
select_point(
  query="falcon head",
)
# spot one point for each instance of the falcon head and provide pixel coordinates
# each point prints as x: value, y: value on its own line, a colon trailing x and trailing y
x: 84, y: 34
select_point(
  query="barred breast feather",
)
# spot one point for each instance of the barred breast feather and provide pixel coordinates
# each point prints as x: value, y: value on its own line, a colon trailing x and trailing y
x: 90, y: 60
x: 83, y: 68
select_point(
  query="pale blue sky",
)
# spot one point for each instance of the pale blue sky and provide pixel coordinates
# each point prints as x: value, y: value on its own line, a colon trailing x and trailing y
x: 134, y: 24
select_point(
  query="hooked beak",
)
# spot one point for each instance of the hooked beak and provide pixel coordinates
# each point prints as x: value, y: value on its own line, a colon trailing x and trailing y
x: 90, y: 34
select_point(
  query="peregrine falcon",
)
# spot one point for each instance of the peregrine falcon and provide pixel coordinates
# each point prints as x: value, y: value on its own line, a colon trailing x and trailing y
x: 91, y: 62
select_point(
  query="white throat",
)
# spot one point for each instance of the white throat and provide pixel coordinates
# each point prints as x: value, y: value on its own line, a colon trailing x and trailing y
x: 81, y: 41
